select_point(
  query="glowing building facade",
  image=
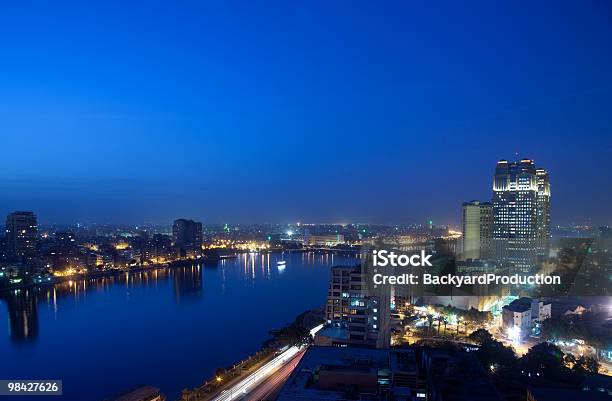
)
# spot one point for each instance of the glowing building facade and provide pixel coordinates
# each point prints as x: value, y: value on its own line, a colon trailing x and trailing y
x: 543, y: 213
x: 360, y: 316
x: 476, y: 225
x: 521, y: 213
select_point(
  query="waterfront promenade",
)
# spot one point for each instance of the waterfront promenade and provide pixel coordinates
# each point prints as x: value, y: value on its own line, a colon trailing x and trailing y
x: 248, y: 383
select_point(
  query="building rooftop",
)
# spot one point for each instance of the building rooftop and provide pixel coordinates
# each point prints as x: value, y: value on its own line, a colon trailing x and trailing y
x: 144, y: 393
x: 403, y: 360
x: 519, y: 305
x: 336, y: 373
x: 355, y: 267
x: 457, y: 376
x: 557, y: 394
x: 476, y: 203
x: 301, y: 385
x: 334, y: 332
x: 598, y: 382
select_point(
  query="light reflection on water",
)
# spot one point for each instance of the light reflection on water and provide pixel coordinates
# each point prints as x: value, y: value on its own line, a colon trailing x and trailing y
x: 168, y: 327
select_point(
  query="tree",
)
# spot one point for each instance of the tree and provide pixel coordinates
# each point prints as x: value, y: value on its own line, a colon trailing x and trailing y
x: 586, y: 365
x: 474, y: 315
x: 440, y: 319
x: 569, y: 359
x: 293, y: 335
x: 544, y: 359
x: 585, y: 327
x: 493, y: 352
x: 480, y: 336
x: 554, y: 329
x: 430, y: 320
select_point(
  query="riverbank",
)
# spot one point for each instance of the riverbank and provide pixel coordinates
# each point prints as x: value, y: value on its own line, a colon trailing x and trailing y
x: 52, y: 280
x: 49, y: 280
x: 226, y: 378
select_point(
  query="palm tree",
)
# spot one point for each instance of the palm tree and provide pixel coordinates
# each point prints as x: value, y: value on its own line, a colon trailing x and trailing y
x: 430, y: 320
x: 440, y: 319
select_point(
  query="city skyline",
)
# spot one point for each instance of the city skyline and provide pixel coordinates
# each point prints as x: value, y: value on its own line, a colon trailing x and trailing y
x: 288, y: 201
x: 539, y: 176
x: 331, y: 113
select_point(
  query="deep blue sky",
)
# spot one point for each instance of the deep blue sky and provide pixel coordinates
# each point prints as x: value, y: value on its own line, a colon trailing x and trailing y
x: 276, y: 111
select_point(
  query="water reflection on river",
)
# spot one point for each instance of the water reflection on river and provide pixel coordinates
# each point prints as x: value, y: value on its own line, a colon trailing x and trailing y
x: 166, y: 327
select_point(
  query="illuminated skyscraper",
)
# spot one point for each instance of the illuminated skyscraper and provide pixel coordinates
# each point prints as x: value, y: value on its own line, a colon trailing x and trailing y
x: 476, y: 224
x: 521, y: 213
x: 21, y: 231
x: 543, y: 213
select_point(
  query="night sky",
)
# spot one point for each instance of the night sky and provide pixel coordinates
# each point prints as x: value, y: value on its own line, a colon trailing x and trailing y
x: 226, y: 111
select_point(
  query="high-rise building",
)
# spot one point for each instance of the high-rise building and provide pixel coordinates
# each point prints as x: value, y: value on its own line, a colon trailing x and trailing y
x: 159, y: 246
x: 64, y: 253
x: 21, y: 230
x: 187, y: 237
x: 543, y: 213
x: 362, y: 318
x: 477, y: 226
x: 521, y: 213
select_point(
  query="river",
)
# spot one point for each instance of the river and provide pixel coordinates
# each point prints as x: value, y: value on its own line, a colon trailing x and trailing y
x: 170, y: 327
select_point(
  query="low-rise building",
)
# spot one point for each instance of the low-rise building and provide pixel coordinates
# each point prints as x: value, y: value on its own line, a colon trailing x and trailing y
x: 323, y: 240
x: 540, y: 311
x: 332, y: 373
x: 401, y: 374
x: 523, y: 315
